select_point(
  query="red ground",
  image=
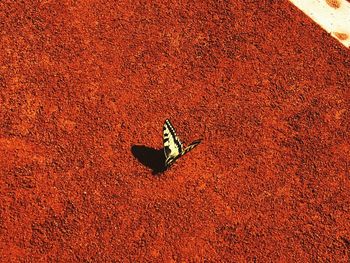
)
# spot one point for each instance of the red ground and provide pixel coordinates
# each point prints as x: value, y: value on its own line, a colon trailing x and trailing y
x: 82, y: 82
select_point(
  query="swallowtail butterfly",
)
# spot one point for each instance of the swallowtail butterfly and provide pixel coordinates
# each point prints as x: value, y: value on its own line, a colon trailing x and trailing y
x: 173, y: 148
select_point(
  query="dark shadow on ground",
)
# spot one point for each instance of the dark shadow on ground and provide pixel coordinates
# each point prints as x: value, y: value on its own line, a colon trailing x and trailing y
x: 150, y: 157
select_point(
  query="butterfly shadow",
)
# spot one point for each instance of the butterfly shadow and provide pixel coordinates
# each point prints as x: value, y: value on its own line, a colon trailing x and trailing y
x: 150, y: 157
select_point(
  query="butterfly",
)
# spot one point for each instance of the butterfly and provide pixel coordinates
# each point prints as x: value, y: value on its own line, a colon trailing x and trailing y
x: 173, y: 148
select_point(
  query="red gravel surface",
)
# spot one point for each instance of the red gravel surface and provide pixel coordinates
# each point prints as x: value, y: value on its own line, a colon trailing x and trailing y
x: 85, y: 87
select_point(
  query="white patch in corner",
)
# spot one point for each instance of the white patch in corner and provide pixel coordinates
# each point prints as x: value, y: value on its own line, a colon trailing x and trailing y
x: 331, y: 15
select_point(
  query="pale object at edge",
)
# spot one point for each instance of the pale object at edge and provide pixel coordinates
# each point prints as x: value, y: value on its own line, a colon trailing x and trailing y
x: 331, y: 15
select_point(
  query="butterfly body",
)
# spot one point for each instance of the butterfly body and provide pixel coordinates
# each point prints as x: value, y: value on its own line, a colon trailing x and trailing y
x: 173, y: 148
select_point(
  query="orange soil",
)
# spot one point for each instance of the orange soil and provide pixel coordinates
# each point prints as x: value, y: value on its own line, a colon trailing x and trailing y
x: 83, y: 83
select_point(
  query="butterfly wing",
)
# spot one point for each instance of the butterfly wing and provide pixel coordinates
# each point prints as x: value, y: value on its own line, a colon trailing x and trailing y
x: 172, y: 145
x: 191, y: 146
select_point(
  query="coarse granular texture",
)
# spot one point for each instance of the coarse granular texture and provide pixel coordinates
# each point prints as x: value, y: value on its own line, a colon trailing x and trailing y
x: 82, y: 83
